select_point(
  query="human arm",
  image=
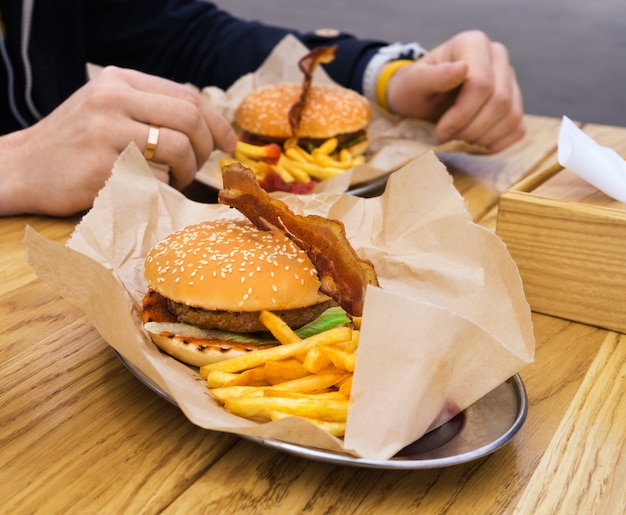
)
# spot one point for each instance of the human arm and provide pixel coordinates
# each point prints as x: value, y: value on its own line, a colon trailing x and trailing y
x: 467, y: 87
x: 197, y: 42
x: 58, y: 165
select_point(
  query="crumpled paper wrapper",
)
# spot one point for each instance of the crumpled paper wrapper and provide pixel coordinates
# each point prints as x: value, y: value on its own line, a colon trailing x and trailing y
x: 448, y: 324
x: 393, y: 140
x: 600, y: 166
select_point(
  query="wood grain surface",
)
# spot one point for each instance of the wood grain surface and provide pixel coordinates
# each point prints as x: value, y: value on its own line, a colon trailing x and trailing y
x: 80, y: 434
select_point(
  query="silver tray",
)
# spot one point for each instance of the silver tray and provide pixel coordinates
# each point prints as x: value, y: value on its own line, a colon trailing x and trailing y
x: 481, y: 429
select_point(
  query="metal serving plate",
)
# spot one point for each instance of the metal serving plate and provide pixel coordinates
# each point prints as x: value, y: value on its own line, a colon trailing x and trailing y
x: 476, y: 432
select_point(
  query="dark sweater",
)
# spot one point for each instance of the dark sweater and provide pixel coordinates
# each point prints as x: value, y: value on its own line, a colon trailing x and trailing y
x: 183, y: 40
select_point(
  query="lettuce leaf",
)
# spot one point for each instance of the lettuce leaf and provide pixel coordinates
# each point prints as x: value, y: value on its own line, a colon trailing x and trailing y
x: 332, y: 317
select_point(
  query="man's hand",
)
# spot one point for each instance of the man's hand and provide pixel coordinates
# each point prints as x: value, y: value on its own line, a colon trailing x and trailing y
x: 467, y: 87
x: 58, y: 165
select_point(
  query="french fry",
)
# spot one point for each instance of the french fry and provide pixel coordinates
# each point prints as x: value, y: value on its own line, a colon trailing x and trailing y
x: 261, y: 356
x: 322, y: 394
x: 325, y: 161
x: 279, y: 329
x: 324, y: 409
x: 268, y: 153
x: 261, y: 169
x: 251, y: 377
x: 341, y: 359
x: 328, y: 147
x: 334, y: 428
x: 245, y: 160
x: 226, y: 160
x: 292, y: 163
x: 345, y: 156
x: 285, y: 174
x: 311, y: 383
x: 345, y: 387
x: 228, y: 392
x: 317, y: 171
x: 217, y: 378
x: 306, y: 384
x: 348, y: 346
x: 315, y: 360
x: 299, y: 155
x: 291, y: 166
x: 279, y: 371
x: 309, y: 378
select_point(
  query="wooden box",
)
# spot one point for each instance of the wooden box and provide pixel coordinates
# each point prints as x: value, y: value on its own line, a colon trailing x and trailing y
x: 569, y: 242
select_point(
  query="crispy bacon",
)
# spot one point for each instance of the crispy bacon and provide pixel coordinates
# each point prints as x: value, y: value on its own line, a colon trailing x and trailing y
x: 307, y: 65
x: 344, y: 276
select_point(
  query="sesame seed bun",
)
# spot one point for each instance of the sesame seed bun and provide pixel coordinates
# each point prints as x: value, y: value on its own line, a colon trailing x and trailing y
x: 208, y: 282
x: 329, y: 111
x: 232, y: 266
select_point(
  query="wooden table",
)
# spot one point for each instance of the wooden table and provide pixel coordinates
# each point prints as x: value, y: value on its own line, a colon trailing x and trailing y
x: 79, y: 433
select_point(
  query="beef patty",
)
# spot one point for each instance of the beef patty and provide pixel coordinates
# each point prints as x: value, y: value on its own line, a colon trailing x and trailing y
x: 244, y: 322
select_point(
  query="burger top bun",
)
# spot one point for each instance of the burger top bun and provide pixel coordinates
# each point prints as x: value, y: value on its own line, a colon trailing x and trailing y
x: 231, y: 265
x: 329, y: 111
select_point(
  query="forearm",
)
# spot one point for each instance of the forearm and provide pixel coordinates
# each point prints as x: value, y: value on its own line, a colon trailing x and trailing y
x: 13, y: 178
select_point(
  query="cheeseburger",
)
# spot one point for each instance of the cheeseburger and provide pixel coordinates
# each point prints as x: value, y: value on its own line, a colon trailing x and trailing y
x: 328, y: 111
x: 208, y: 282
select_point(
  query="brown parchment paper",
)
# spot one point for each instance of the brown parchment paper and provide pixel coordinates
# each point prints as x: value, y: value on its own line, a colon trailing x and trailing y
x: 392, y: 139
x: 448, y: 324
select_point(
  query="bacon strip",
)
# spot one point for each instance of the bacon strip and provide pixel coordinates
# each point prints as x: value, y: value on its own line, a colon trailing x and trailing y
x: 307, y: 65
x: 344, y: 276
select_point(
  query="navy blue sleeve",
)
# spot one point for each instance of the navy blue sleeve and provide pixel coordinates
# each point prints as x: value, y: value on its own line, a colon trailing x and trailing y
x: 194, y: 41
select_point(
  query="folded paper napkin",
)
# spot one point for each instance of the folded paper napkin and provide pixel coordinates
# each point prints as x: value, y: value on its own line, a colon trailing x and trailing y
x: 600, y: 166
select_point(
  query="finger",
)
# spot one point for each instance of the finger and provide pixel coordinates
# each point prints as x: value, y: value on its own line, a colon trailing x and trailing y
x: 175, y: 114
x: 475, y: 92
x: 425, y: 90
x: 501, y: 114
x: 161, y: 174
x: 169, y: 104
x: 510, y: 129
x: 442, y: 77
x: 173, y: 149
x: 223, y: 134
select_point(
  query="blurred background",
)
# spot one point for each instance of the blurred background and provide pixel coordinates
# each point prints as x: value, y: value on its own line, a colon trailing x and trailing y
x: 569, y: 55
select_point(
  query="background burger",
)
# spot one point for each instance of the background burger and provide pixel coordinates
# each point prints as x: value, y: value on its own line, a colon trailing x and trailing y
x: 329, y: 111
x: 208, y: 282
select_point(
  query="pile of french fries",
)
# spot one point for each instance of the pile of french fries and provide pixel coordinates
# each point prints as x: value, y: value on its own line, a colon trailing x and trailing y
x: 309, y: 378
x: 292, y: 163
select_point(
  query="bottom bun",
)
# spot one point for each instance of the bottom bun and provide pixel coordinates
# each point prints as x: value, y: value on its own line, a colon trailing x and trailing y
x: 201, y: 351
x: 358, y: 148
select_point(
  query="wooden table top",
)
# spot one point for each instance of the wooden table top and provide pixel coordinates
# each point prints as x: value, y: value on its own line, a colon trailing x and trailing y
x: 79, y: 433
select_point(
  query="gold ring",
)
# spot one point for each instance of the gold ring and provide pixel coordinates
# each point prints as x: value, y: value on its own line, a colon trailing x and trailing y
x: 151, y: 145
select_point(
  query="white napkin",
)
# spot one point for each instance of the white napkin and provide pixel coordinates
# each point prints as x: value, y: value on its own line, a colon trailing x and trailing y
x: 600, y: 166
